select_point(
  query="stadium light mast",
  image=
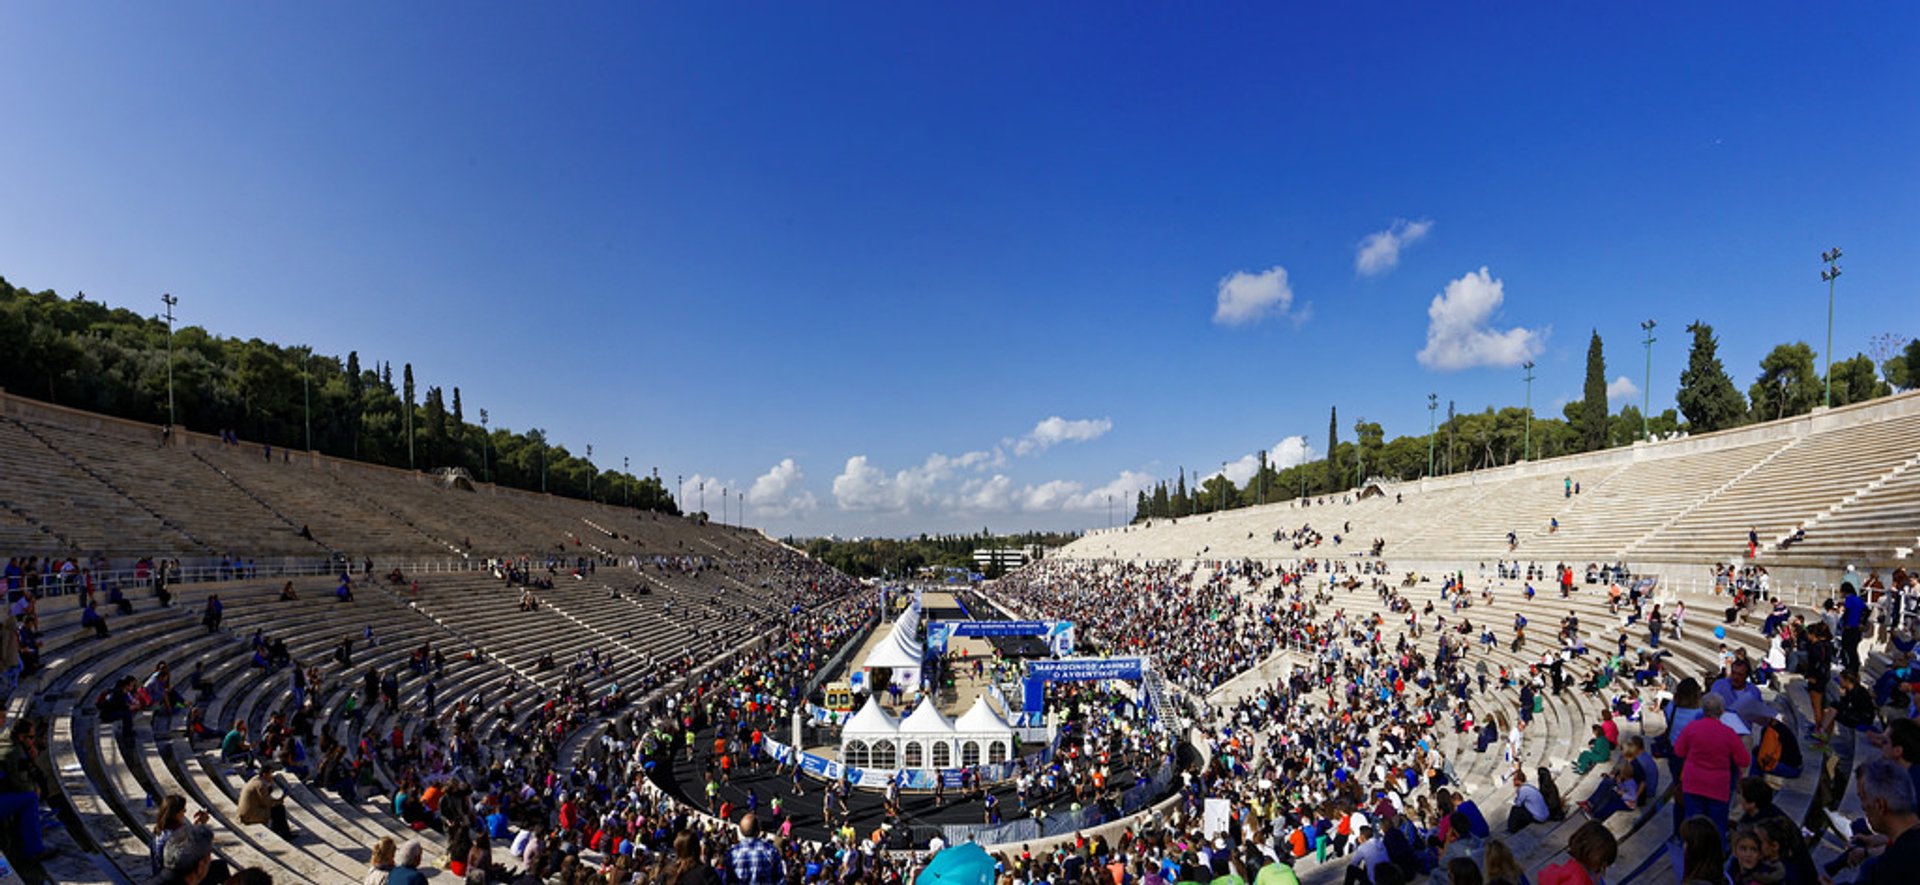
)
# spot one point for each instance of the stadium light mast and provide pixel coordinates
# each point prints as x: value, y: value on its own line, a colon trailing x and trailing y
x: 625, y: 482
x: 1433, y: 403
x: 1109, y: 512
x: 170, y: 301
x: 1646, y: 393
x: 1830, y: 258
x: 484, y: 469
x: 590, y: 472
x: 703, y: 497
x: 1528, y: 450
x: 1222, y: 506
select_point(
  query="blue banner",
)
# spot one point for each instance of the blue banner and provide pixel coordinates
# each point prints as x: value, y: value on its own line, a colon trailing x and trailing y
x: 1059, y: 634
x: 1039, y: 673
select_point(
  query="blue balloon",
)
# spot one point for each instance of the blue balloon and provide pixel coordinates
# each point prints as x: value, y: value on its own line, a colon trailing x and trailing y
x: 1719, y: 632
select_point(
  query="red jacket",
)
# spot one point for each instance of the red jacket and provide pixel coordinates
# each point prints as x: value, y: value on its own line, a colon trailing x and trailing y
x: 1568, y: 873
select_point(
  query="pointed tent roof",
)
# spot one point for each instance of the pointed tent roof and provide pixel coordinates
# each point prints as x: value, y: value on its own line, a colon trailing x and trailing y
x: 926, y: 719
x: 981, y: 719
x: 894, y: 650
x: 898, y: 648
x: 871, y: 721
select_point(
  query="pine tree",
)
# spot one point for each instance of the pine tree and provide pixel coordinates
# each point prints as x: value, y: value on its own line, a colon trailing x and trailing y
x: 1593, y: 408
x: 1707, y: 396
x: 1143, y: 509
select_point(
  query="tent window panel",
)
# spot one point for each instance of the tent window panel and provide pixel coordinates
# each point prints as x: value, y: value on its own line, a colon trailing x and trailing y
x: 996, y: 752
x: 856, y: 754
x: 942, y: 755
x: 883, y: 754
x: 916, y: 755
x: 970, y: 753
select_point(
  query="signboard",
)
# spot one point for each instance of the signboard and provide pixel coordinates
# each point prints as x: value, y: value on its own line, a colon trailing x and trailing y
x: 1214, y: 817
x: 1039, y: 673
x: 1059, y: 634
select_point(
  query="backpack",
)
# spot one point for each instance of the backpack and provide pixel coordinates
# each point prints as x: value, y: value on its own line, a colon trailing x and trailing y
x: 1767, y: 754
x: 1550, y: 791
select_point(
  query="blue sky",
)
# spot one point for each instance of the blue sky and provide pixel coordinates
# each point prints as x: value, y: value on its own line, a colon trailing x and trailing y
x: 854, y: 257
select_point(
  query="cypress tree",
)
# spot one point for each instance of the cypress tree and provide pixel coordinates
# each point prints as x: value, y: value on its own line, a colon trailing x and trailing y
x: 1333, y: 448
x: 1593, y: 409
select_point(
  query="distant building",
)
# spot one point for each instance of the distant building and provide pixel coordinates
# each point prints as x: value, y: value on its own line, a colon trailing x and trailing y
x: 1005, y: 559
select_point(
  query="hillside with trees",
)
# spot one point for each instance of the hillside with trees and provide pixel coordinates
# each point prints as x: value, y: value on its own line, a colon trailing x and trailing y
x: 80, y: 353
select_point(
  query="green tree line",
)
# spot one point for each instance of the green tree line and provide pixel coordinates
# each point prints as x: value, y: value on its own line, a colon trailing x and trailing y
x: 81, y: 353
x: 1789, y: 383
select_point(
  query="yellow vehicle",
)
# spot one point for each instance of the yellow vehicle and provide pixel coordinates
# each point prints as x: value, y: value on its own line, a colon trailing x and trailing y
x: 839, y: 697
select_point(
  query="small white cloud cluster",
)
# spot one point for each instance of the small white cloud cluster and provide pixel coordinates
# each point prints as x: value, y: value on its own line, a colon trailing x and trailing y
x: 1056, y: 430
x: 1459, y: 330
x: 1622, y: 388
x: 1244, y: 298
x: 1380, y: 251
x: 779, y: 493
x: 1286, y: 453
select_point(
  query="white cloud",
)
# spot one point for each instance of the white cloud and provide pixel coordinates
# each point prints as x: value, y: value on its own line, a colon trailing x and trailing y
x: 1380, y: 251
x: 1056, y: 430
x: 1124, y: 488
x: 1284, y: 454
x: 994, y: 495
x: 1622, y: 388
x: 1458, y: 334
x: 1246, y: 298
x: 862, y: 486
x: 714, y: 486
x: 778, y: 492
x: 1050, y: 495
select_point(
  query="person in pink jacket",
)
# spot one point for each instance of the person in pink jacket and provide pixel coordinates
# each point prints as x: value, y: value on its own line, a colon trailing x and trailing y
x: 1713, y: 756
x: 1591, y: 849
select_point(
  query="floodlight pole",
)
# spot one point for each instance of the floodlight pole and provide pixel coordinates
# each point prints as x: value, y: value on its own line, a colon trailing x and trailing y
x: 590, y: 472
x: 625, y: 482
x: 1528, y: 450
x: 1433, y: 402
x: 1830, y: 274
x: 170, y: 301
x: 1646, y: 394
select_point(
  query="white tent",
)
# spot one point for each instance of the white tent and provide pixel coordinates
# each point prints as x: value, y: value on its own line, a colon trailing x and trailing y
x: 926, y: 738
x: 981, y: 736
x: 870, y: 738
x: 899, y: 651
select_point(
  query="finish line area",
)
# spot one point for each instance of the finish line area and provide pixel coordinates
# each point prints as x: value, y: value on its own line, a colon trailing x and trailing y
x: 949, y: 721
